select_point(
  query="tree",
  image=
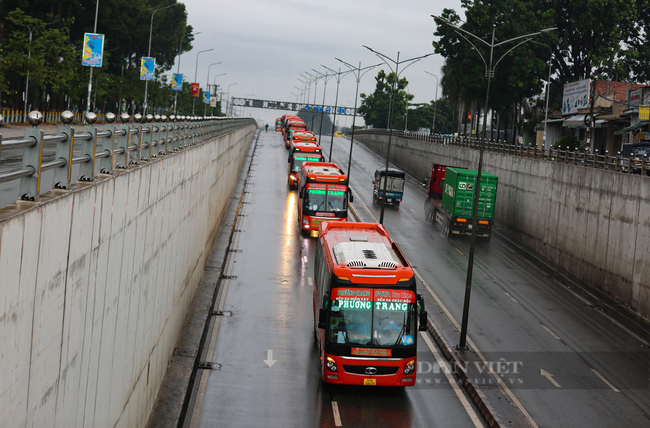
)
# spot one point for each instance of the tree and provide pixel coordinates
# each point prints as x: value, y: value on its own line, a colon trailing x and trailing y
x: 374, y: 107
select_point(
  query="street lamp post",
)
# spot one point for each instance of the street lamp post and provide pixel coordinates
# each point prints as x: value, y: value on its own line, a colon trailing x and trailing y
x: 215, y: 88
x: 90, y: 79
x: 339, y: 76
x: 397, y: 63
x: 489, y: 72
x: 146, y: 82
x: 207, y: 86
x: 196, y: 70
x: 228, y: 98
x: 313, y: 112
x: 435, y: 104
x: 357, y: 73
x: 326, y: 77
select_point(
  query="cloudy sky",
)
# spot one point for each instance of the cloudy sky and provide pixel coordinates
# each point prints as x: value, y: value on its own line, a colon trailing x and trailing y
x: 265, y: 45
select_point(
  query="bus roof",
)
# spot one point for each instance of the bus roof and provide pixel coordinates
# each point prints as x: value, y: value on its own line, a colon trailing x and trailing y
x: 325, y: 171
x: 305, y: 147
x: 363, y: 253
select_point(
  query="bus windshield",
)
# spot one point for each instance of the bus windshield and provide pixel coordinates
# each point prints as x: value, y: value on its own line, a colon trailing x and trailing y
x: 372, y: 317
x: 325, y: 197
x: 299, y: 158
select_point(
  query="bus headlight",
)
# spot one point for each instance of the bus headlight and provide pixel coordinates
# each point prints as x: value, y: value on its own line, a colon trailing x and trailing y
x: 331, y: 364
x: 305, y: 221
x: 410, y: 367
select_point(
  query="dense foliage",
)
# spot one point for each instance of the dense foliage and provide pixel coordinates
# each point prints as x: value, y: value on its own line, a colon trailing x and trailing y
x: 57, y: 80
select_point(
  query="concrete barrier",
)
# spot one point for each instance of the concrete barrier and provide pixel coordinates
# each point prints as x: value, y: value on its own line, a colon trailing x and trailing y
x: 592, y: 224
x: 95, y: 284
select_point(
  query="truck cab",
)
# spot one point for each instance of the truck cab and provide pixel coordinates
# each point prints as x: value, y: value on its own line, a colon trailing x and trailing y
x: 394, y: 180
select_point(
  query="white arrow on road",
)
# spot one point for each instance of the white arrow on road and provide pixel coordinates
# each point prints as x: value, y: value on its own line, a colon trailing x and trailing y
x: 550, y: 378
x: 269, y: 358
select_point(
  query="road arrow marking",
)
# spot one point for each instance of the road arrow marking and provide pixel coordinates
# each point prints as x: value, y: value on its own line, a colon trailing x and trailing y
x: 550, y: 378
x: 269, y: 358
x: 605, y: 380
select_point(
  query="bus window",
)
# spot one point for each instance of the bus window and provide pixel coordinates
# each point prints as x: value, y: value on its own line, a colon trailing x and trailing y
x: 318, y: 198
x: 393, y: 324
x: 350, y: 322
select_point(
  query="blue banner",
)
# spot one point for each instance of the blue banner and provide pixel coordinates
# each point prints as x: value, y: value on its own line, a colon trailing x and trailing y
x: 93, y: 50
x: 177, y: 82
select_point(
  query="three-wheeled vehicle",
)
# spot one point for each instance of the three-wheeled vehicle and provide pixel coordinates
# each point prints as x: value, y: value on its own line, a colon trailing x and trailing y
x: 394, y: 181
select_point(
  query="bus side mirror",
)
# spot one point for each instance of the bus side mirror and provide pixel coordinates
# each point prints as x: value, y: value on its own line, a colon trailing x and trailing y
x: 322, y: 317
x: 423, y: 314
x: 351, y: 198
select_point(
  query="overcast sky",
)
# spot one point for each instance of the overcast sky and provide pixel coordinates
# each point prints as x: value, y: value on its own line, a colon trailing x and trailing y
x: 265, y: 45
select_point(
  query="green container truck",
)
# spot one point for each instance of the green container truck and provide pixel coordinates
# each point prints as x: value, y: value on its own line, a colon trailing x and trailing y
x: 455, y: 211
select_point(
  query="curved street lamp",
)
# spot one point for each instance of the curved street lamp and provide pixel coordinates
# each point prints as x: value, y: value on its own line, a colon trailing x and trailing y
x: 146, y: 82
x: 489, y: 72
x: 391, y: 106
x: 196, y: 70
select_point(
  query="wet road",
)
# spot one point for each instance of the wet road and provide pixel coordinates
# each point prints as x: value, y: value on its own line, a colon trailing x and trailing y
x: 269, y: 373
x: 579, y: 368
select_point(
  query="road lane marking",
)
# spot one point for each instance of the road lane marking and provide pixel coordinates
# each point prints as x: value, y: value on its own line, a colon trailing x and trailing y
x: 549, y: 376
x: 481, y: 270
x: 605, y: 380
x: 461, y: 253
x: 511, y: 250
x: 471, y: 343
x: 463, y: 400
x: 304, y: 258
x: 550, y: 332
x: 310, y: 281
x: 356, y: 196
x: 514, y: 300
x: 337, y: 414
x: 412, y: 210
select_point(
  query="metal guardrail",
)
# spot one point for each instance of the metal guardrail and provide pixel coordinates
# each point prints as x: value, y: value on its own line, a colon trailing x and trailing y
x: 638, y: 165
x: 116, y: 147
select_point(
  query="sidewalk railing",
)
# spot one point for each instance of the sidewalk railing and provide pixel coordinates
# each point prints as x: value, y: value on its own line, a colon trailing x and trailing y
x: 19, y: 116
x: 637, y: 164
x: 115, y: 147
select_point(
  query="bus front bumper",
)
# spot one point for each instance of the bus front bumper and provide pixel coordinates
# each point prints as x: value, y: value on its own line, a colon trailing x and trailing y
x: 388, y: 372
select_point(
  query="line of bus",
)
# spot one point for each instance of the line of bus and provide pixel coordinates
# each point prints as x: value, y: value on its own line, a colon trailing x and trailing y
x: 299, y: 153
x: 323, y: 196
x: 365, y: 307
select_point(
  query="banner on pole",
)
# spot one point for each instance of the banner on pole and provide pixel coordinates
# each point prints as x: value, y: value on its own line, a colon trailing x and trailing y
x: 93, y: 50
x: 177, y: 82
x: 206, y: 97
x: 213, y: 101
x: 195, y: 90
x: 147, y: 67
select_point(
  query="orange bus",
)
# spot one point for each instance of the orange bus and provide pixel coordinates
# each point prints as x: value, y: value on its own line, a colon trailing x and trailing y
x: 303, y: 136
x: 291, y: 126
x: 278, y: 124
x: 365, y: 307
x: 323, y: 196
x: 301, y: 151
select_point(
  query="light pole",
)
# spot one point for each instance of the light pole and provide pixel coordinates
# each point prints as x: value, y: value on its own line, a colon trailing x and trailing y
x: 29, y: 56
x: 435, y: 104
x: 215, y: 87
x: 90, y: 79
x: 357, y: 73
x: 325, y: 76
x: 548, y: 87
x: 146, y: 82
x: 396, y: 62
x: 228, y: 98
x: 489, y: 72
x: 313, y: 112
x: 207, y: 86
x: 339, y: 76
x: 178, y: 70
x: 196, y: 70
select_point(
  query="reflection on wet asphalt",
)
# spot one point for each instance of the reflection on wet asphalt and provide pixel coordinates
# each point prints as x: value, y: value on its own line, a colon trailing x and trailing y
x: 271, y: 304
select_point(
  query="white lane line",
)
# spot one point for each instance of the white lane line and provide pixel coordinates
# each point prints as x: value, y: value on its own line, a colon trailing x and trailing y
x: 412, y: 210
x: 463, y: 400
x: 605, y: 380
x: 550, y: 332
x: 481, y: 270
x: 337, y: 414
x: 511, y: 250
x: 304, y: 258
x: 480, y: 355
x: 461, y: 253
x: 513, y: 299
x: 310, y: 281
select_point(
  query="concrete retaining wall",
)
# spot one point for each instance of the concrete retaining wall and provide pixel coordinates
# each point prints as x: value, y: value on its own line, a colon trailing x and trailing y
x: 592, y: 224
x: 95, y: 284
